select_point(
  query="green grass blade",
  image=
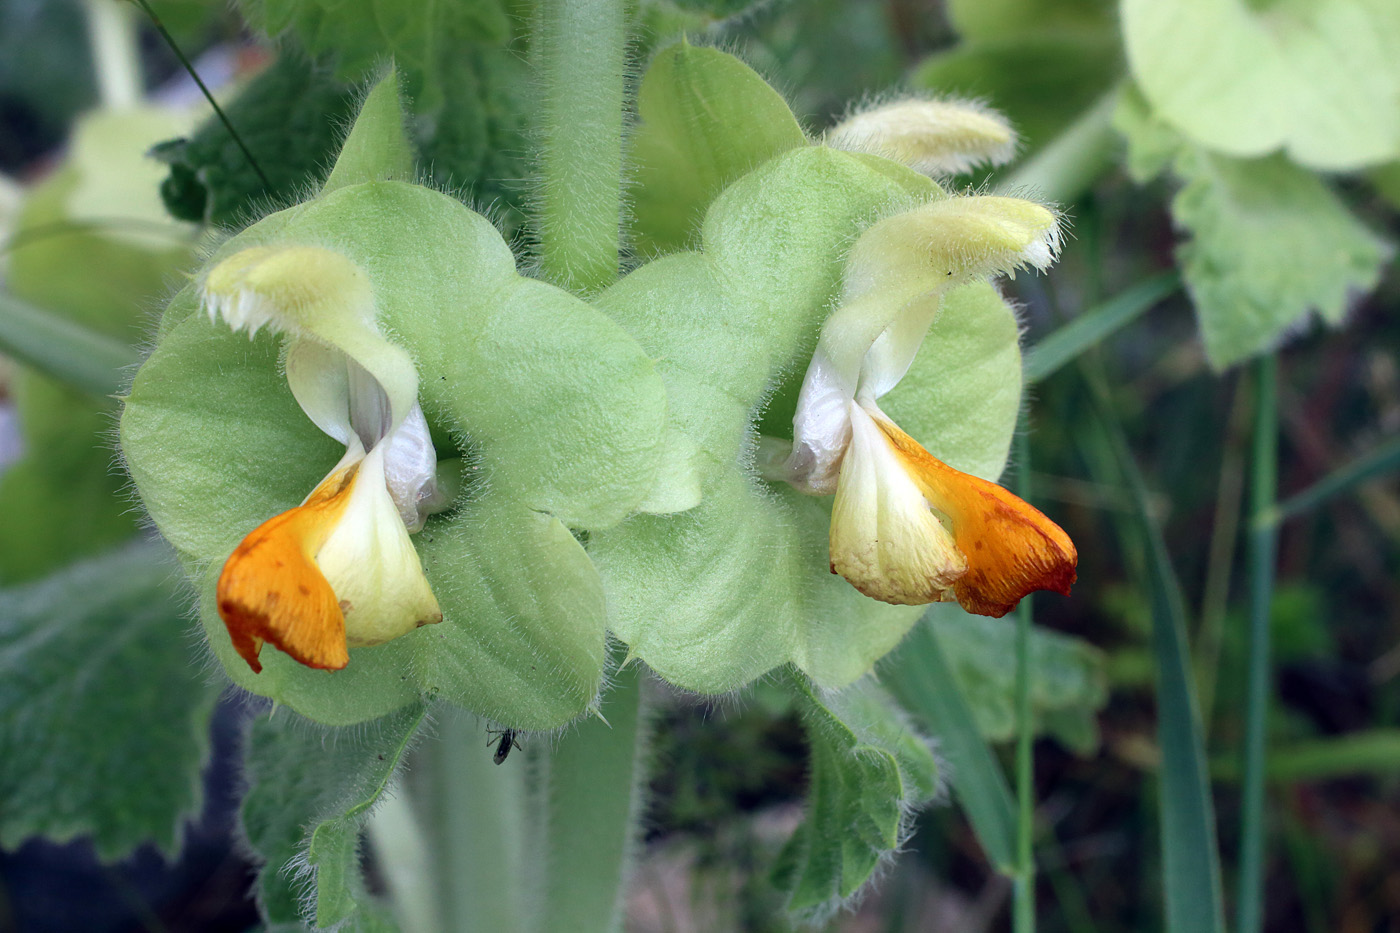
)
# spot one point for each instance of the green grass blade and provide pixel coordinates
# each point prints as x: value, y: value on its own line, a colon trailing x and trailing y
x: 1373, y: 752
x: 1023, y: 905
x: 1383, y: 459
x: 1086, y: 330
x: 61, y: 348
x: 919, y: 677
x: 1263, y: 546
x: 1190, y: 853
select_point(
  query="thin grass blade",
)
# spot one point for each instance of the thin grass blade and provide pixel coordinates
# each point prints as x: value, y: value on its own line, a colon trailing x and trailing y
x: 1086, y: 330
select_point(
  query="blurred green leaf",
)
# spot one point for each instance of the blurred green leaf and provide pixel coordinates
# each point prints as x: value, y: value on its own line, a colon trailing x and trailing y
x: 1068, y: 680
x: 706, y: 120
x: 104, y: 715
x: 310, y: 791
x: 1269, y: 241
x: 1001, y: 19
x: 1318, y: 79
x: 923, y: 681
x: 868, y: 770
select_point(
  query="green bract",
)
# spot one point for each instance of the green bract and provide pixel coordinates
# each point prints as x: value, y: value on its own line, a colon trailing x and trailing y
x: 717, y: 595
x: 556, y: 413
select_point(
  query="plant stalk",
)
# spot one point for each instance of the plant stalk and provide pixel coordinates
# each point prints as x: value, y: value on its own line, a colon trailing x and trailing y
x: 1262, y: 550
x: 580, y: 55
x: 115, y: 58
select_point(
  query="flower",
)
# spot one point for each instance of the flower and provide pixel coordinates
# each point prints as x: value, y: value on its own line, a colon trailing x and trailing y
x: 339, y: 570
x: 905, y: 527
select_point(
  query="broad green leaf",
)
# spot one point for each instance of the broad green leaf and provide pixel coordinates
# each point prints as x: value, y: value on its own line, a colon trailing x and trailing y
x: 290, y: 116
x: 1317, y: 78
x: 104, y: 713
x: 309, y: 793
x: 359, y: 35
x: 558, y: 413
x: 869, y: 770
x: 706, y: 120
x: 1269, y: 242
x: 713, y: 597
x: 1068, y: 683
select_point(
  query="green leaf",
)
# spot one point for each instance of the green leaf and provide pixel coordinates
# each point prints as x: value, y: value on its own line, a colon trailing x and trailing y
x: 291, y: 116
x: 377, y: 148
x: 103, y: 713
x: 714, y: 597
x: 1318, y: 78
x: 707, y: 119
x: 310, y: 791
x: 1068, y: 682
x: 358, y: 36
x: 869, y: 771
x: 922, y: 679
x: 558, y: 413
x: 1270, y: 243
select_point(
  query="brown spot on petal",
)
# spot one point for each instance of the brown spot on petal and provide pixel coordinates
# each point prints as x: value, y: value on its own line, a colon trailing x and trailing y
x: 270, y: 589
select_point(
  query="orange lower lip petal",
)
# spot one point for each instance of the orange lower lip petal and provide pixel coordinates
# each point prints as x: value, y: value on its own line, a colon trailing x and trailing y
x: 1011, y: 548
x: 270, y: 589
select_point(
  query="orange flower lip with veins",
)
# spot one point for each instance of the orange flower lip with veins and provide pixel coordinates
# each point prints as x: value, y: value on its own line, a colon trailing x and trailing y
x: 1011, y: 548
x: 271, y: 589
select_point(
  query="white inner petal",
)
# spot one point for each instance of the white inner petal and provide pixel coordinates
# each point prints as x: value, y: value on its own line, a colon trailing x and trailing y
x: 884, y: 537
x: 371, y: 564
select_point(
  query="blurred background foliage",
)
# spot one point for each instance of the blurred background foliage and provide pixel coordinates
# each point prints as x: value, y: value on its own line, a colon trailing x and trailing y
x: 1144, y: 429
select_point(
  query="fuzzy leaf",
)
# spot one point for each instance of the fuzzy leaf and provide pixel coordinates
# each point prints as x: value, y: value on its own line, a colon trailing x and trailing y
x: 104, y: 715
x: 560, y: 415
x: 1270, y: 243
x: 310, y: 792
x: 1068, y: 682
x: 713, y: 597
x: 868, y: 771
x: 706, y: 120
x: 1318, y: 78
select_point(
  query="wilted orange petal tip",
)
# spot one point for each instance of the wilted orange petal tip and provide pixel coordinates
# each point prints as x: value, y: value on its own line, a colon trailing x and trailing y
x: 1011, y: 548
x: 270, y: 589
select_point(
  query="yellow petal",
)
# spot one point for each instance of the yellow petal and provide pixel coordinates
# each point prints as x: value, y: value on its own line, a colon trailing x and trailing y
x: 1011, y: 549
x: 884, y: 538
x: 936, y: 137
x: 272, y: 590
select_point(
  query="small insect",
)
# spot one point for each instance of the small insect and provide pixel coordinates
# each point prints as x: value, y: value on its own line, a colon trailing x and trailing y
x: 506, y: 743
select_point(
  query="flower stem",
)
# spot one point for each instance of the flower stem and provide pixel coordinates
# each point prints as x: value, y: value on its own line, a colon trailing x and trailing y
x: 115, y: 60
x: 1263, y: 546
x: 580, y: 49
x: 1023, y: 905
x: 1067, y: 166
